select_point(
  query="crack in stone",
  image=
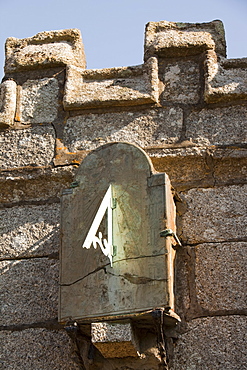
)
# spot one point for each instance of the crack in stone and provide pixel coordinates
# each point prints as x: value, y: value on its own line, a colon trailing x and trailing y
x: 104, y: 268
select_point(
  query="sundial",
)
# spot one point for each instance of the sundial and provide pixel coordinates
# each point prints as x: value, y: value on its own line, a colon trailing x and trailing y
x: 114, y: 261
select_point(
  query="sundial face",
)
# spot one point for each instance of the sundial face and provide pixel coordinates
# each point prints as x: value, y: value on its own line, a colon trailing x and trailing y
x: 113, y: 260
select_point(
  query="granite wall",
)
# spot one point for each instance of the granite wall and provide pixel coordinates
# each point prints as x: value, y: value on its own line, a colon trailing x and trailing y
x: 186, y: 107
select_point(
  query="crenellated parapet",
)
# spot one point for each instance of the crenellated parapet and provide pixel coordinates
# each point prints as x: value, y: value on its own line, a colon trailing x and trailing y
x: 184, y: 63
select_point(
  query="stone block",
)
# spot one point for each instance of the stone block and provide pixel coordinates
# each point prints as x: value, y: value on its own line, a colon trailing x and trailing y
x: 111, y: 87
x: 39, y: 101
x: 186, y: 166
x: 169, y: 39
x: 181, y: 81
x: 7, y: 103
x: 34, y: 184
x: 39, y: 349
x: 230, y: 165
x: 215, y: 215
x: 220, y: 276
x: 189, y: 165
x: 44, y: 50
x: 28, y: 291
x: 219, y: 126
x: 33, y: 146
x: 225, y: 79
x: 212, y: 343
x: 145, y: 128
x: 114, y: 339
x: 29, y: 231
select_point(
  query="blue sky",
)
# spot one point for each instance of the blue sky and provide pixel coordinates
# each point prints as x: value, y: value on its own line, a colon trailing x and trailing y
x: 113, y: 30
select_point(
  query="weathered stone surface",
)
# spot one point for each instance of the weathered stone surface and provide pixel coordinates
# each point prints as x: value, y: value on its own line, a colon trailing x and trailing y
x: 114, y: 339
x: 225, y: 80
x: 39, y: 349
x: 111, y: 87
x: 215, y: 214
x: 28, y: 290
x: 39, y: 101
x: 34, y: 184
x: 168, y: 39
x: 212, y: 343
x: 7, y: 103
x: 29, y: 231
x: 32, y: 146
x: 45, y: 49
x: 141, y: 128
x: 230, y: 165
x: 224, y: 126
x: 220, y: 272
x: 181, y: 81
x: 139, y: 275
x: 185, y: 166
x: 189, y: 165
x: 182, y: 278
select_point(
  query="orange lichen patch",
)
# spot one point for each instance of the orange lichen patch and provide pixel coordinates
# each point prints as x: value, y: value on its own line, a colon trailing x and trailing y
x: 64, y: 157
x: 17, y: 118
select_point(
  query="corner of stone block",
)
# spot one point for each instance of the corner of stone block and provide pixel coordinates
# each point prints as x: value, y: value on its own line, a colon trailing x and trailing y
x: 169, y: 39
x: 114, y: 339
x: 44, y: 50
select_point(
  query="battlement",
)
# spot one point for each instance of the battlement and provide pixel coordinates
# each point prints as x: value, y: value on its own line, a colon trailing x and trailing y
x: 172, y: 51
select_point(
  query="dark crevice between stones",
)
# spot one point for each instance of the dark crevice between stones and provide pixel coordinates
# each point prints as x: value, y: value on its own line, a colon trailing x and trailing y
x: 54, y: 255
x: 51, y: 324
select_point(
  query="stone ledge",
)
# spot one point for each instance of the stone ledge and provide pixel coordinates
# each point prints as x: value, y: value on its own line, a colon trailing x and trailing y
x: 45, y: 50
x: 111, y: 87
x: 168, y: 39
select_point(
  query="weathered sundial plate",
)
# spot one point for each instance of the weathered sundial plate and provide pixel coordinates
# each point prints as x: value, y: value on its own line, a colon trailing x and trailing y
x: 139, y: 204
